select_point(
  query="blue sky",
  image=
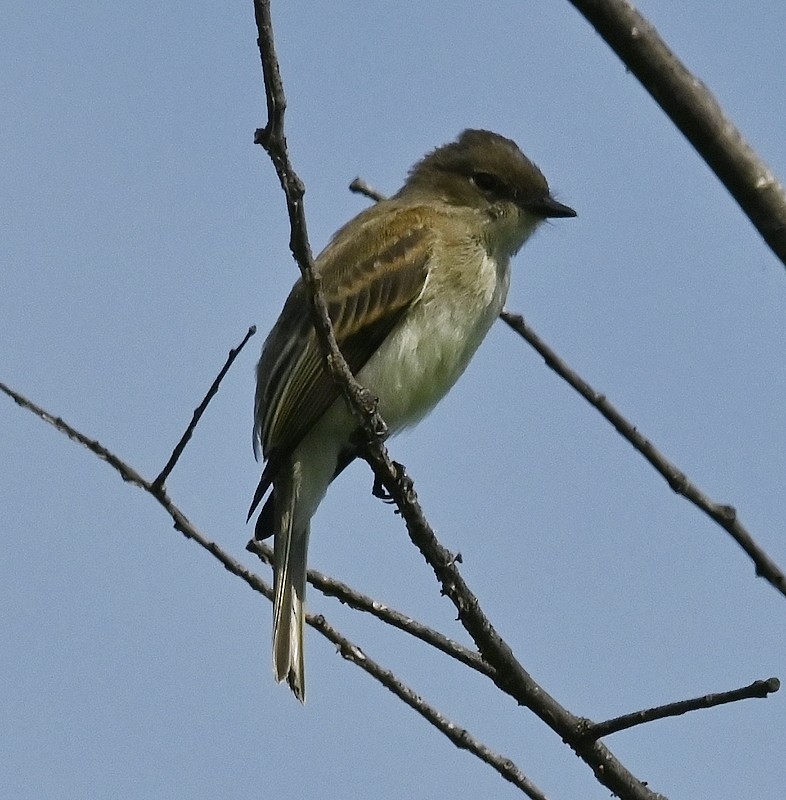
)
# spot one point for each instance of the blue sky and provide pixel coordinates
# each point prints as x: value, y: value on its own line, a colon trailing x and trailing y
x: 143, y: 232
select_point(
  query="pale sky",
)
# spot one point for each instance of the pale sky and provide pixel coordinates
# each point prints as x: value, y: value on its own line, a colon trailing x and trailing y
x: 143, y: 232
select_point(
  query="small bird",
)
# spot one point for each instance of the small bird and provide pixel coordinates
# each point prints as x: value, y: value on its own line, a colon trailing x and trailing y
x: 412, y: 285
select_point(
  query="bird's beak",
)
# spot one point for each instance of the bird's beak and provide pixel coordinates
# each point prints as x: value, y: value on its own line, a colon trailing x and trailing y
x: 549, y: 207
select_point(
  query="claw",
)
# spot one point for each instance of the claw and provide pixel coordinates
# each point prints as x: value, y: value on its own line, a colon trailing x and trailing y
x: 378, y: 490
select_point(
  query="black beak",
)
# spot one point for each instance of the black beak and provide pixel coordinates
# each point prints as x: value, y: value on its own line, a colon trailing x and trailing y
x: 549, y: 207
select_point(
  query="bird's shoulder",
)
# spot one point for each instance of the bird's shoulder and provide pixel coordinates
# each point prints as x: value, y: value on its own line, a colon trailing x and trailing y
x: 378, y: 262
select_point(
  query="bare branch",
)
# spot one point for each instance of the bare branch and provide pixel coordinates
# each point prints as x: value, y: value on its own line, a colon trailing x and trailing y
x: 130, y: 475
x: 330, y: 587
x: 348, y: 650
x: 127, y: 473
x: 359, y: 186
x: 693, y: 109
x: 362, y: 404
x: 200, y: 409
x: 597, y: 730
x: 724, y: 515
x: 272, y: 138
x: 459, y: 736
x: 512, y: 678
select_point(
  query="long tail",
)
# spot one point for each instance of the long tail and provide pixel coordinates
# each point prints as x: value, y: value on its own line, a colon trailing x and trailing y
x: 290, y: 549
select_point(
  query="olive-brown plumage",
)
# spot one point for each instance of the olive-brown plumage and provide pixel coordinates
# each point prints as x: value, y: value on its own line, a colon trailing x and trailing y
x: 412, y: 286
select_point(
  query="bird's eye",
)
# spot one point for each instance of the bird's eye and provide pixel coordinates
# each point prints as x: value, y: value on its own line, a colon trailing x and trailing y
x: 486, y: 182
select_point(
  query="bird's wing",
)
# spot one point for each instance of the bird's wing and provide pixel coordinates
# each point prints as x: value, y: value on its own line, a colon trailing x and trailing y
x: 371, y: 273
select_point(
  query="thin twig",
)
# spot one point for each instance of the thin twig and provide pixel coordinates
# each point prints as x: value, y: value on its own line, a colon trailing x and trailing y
x: 597, y: 730
x: 331, y: 587
x: 459, y: 736
x: 349, y: 651
x: 200, y: 409
x: 359, y: 186
x: 127, y: 473
x: 361, y: 402
x: 693, y: 109
x: 130, y: 475
x: 724, y: 515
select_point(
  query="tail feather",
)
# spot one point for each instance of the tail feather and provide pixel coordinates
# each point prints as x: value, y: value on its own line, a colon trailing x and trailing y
x: 290, y: 549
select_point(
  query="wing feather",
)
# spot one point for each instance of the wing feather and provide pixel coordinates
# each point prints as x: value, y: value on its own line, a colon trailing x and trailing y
x: 372, y: 271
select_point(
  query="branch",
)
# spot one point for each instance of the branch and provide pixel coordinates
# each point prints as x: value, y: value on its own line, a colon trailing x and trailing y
x: 511, y: 676
x: 271, y: 137
x: 200, y: 409
x: 693, y: 109
x: 724, y: 515
x: 597, y: 730
x: 348, y: 650
x: 459, y: 736
x: 359, y: 186
x: 330, y: 587
x: 130, y: 475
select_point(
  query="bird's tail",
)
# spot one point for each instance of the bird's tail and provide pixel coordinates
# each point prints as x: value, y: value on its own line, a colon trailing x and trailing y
x: 291, y: 544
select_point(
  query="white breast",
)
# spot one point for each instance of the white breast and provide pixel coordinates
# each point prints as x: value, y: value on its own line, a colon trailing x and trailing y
x: 432, y: 346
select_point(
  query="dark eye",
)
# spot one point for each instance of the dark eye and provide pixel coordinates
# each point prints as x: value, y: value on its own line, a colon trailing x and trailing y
x: 486, y: 182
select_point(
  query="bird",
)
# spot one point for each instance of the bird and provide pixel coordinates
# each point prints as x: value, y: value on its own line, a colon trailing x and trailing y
x: 412, y: 286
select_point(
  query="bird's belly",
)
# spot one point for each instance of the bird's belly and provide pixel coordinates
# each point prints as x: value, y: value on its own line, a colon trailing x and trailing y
x: 425, y: 355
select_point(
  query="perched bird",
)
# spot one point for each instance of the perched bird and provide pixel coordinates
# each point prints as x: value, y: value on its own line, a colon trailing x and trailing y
x: 412, y: 286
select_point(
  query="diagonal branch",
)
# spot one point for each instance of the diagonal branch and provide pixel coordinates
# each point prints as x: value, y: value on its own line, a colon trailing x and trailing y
x: 692, y: 108
x: 724, y: 515
x: 272, y: 138
x: 200, y: 409
x: 597, y: 730
x: 512, y: 678
x: 330, y: 587
x: 459, y: 736
x: 130, y: 475
x: 347, y: 649
x: 127, y: 473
